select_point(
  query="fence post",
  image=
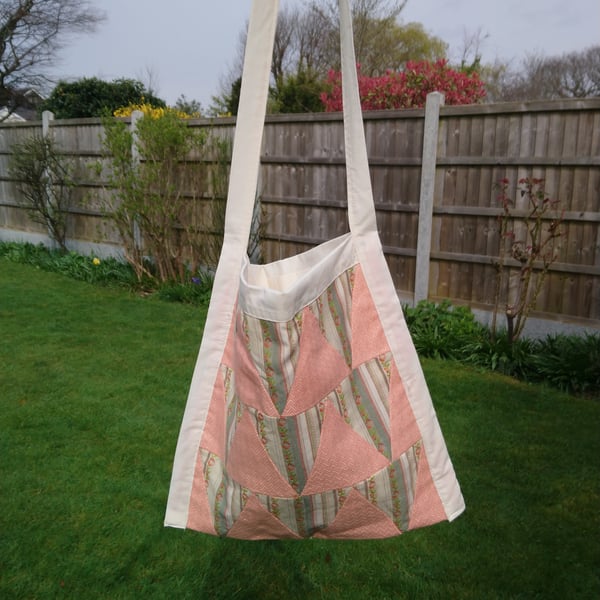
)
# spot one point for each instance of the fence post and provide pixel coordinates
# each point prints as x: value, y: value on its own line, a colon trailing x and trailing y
x: 430, y: 139
x: 135, y: 159
x: 47, y: 117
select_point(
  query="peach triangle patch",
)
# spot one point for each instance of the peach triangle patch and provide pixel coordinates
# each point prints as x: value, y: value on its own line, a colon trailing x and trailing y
x: 227, y: 358
x: 257, y: 523
x: 199, y: 512
x: 344, y: 457
x: 213, y: 436
x: 359, y: 519
x: 250, y: 465
x: 319, y: 370
x: 368, y: 338
x: 404, y: 430
x: 248, y: 384
x: 427, y: 507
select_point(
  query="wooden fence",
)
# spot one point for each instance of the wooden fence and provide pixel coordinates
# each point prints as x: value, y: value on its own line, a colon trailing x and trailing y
x: 434, y: 186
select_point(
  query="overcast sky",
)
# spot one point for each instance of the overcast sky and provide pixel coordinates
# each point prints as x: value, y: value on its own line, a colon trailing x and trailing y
x: 187, y: 46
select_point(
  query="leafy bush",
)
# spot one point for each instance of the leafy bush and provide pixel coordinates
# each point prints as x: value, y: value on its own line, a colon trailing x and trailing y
x: 441, y: 330
x: 159, y: 204
x: 155, y: 112
x: 298, y: 93
x: 106, y: 271
x: 409, y: 87
x: 93, y: 97
x: 196, y: 292
x: 26, y: 254
x: 44, y: 178
x: 497, y: 353
x: 570, y: 363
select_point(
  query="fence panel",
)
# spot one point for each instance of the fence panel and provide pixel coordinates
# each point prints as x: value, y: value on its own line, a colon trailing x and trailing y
x: 303, y: 190
x: 556, y: 142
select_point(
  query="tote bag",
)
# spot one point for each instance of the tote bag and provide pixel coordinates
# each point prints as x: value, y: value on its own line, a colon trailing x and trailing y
x: 308, y: 413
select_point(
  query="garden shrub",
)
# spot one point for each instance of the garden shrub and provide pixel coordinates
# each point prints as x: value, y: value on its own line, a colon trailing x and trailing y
x: 44, y: 177
x: 197, y: 291
x: 155, y: 112
x: 163, y: 206
x: 409, y: 87
x: 105, y: 271
x: 497, y: 352
x: 442, y: 330
x: 569, y: 362
x: 93, y: 97
x: 533, y: 243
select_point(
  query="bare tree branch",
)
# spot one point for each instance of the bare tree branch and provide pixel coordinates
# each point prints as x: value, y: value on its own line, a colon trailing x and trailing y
x: 571, y: 75
x: 31, y: 34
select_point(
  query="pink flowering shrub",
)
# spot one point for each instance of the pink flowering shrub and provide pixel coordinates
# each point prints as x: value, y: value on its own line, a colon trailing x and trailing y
x: 408, y: 88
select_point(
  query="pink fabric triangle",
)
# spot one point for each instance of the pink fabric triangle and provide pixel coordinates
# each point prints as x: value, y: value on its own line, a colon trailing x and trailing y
x: 427, y: 507
x: 368, y: 338
x: 227, y: 358
x: 257, y: 523
x: 213, y: 436
x: 199, y: 512
x: 344, y: 457
x: 251, y: 466
x: 319, y: 370
x: 404, y: 430
x: 359, y: 519
x: 248, y: 384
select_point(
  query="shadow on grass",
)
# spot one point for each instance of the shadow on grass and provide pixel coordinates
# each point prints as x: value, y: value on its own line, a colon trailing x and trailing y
x: 250, y: 570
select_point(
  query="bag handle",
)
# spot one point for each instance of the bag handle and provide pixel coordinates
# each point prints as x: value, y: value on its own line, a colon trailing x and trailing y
x: 245, y: 161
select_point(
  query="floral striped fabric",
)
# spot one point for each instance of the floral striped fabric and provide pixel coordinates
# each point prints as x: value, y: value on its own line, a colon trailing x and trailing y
x: 309, y: 431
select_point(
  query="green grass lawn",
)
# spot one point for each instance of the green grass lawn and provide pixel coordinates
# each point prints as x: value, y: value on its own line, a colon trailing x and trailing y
x: 93, y: 383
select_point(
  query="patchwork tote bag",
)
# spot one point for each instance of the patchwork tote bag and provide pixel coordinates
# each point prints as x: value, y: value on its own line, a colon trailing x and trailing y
x: 308, y: 413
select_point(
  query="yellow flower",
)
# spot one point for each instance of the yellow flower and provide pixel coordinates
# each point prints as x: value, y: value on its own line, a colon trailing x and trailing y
x: 96, y: 261
x: 152, y: 111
